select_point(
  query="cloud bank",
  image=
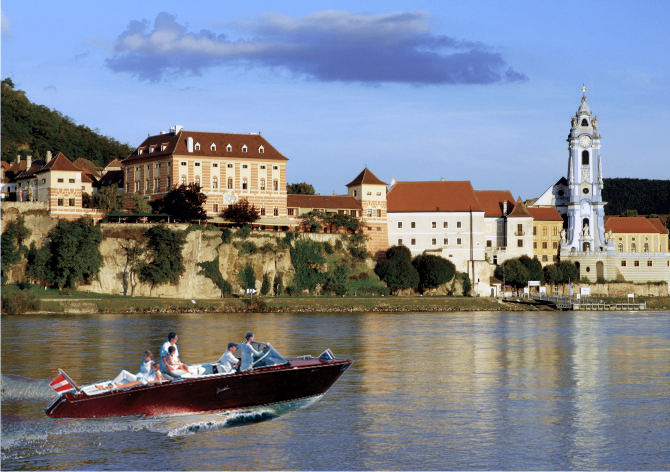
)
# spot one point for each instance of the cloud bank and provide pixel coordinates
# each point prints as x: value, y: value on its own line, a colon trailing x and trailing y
x: 325, y: 46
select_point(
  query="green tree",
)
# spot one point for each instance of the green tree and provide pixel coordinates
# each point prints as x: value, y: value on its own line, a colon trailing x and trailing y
x: 307, y: 260
x: 247, y: 277
x: 267, y: 285
x: 185, y: 203
x: 278, y: 284
x: 513, y: 272
x: 165, y: 262
x: 241, y: 212
x: 336, y: 280
x: 533, y: 266
x: 396, y: 271
x: 211, y: 270
x: 302, y: 188
x: 433, y: 271
x: 627, y: 213
x: 139, y: 204
x: 109, y: 199
x: 12, y: 247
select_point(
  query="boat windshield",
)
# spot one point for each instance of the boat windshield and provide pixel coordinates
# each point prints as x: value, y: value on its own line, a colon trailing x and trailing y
x: 267, y: 358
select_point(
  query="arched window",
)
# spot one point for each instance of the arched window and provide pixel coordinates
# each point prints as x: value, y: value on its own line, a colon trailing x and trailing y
x: 215, y: 182
x: 244, y: 183
x: 646, y: 247
x: 212, y: 147
x: 633, y: 248
x: 585, y: 122
x: 585, y: 158
x: 262, y: 184
x: 620, y: 248
x: 244, y: 148
x: 229, y: 148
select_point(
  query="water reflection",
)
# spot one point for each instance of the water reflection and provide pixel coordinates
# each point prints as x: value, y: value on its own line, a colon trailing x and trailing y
x: 427, y: 391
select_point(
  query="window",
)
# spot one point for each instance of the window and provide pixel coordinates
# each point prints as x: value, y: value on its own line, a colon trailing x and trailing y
x: 44, y: 181
x: 60, y: 202
x: 212, y: 147
x: 197, y: 180
x: 446, y: 241
x: 544, y: 230
x: 169, y: 182
x: 355, y: 193
x: 183, y: 180
x: 489, y: 243
x: 262, y: 184
x: 215, y: 207
x: 445, y: 225
x: 636, y: 263
x: 197, y: 146
x: 215, y: 182
x: 400, y: 224
x: 369, y: 213
x: 244, y: 183
x: 147, y: 185
x: 229, y: 148
x: 649, y: 264
x: 197, y: 164
x: 138, y: 186
x: 545, y: 258
x: 554, y: 258
x: 184, y: 164
x: 262, y: 167
x: 215, y: 164
x: 633, y: 248
x: 413, y: 242
x: 244, y: 148
x: 434, y: 241
x: 555, y: 231
x: 60, y: 181
x: 620, y: 247
x: 379, y: 213
x: 276, y: 211
x: 262, y: 211
x: 379, y: 194
x: 399, y: 242
x: 645, y: 248
x: 585, y: 158
x: 519, y: 243
x: 275, y: 185
x: 412, y: 224
x: 275, y: 167
x: 458, y: 224
x: 261, y: 149
x: 554, y: 245
x: 244, y: 166
x: 544, y: 245
x: 534, y: 230
x: 229, y: 166
x: 434, y: 224
x: 71, y: 181
x: 623, y: 263
x: 290, y: 211
x: 230, y: 183
x: 519, y: 230
x: 157, y: 183
x: 158, y: 165
x: 71, y: 202
x: 369, y: 193
x: 534, y: 245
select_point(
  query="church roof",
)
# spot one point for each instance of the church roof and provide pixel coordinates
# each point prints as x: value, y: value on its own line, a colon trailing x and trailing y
x: 366, y: 177
x: 492, y: 201
x: 634, y: 224
x: 434, y: 196
x: 332, y: 202
x: 520, y: 210
x: 545, y: 213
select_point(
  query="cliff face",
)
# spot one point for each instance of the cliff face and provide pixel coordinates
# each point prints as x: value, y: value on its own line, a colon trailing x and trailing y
x: 201, y: 246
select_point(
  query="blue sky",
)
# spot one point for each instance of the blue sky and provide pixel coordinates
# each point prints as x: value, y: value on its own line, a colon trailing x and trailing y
x: 414, y: 90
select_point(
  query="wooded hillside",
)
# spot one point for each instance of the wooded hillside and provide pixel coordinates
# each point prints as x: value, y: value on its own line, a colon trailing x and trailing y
x: 645, y: 196
x: 30, y: 129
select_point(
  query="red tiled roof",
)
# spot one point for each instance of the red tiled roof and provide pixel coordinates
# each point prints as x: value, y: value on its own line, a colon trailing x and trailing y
x: 332, y: 202
x: 366, y: 177
x: 520, y: 210
x: 545, y: 213
x: 432, y: 196
x: 634, y: 224
x: 87, y: 166
x: 492, y: 201
x: 60, y: 162
x: 176, y: 144
x: 30, y: 172
x: 659, y: 225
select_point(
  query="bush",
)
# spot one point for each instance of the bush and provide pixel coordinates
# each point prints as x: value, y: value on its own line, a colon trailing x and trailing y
x: 247, y: 277
x: 266, y: 286
x: 211, y: 270
x: 328, y: 248
x: 433, y: 271
x: 247, y: 247
x: 278, y: 284
x: 226, y: 235
x: 19, y: 302
x: 243, y: 232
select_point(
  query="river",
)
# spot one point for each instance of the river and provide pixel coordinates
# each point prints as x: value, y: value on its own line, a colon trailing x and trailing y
x: 482, y: 390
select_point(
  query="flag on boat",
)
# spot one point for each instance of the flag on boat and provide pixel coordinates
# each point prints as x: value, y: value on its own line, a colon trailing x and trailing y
x: 327, y: 355
x: 63, y: 383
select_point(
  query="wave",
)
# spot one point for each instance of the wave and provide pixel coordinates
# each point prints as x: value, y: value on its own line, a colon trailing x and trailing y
x: 23, y: 389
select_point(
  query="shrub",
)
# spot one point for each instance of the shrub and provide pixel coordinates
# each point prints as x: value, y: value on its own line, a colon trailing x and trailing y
x: 266, y: 286
x: 278, y: 284
x: 247, y: 277
x: 247, y: 247
x: 211, y: 270
x: 20, y: 302
x: 226, y: 235
x: 243, y: 232
x: 433, y: 271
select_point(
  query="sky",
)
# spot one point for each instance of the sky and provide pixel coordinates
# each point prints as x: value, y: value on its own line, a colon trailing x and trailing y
x: 413, y: 90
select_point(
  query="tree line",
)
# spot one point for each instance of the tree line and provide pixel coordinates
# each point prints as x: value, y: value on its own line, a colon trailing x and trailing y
x: 643, y: 195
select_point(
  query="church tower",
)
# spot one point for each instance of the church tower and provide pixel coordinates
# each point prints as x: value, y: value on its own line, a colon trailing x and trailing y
x: 585, y: 206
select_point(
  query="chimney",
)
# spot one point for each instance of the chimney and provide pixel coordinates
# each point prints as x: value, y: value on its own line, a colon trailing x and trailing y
x: 441, y: 179
x: 393, y: 182
x: 29, y: 161
x: 48, y: 156
x: 504, y: 207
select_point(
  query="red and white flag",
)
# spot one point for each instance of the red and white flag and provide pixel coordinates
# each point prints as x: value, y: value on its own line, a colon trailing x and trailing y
x: 63, y: 383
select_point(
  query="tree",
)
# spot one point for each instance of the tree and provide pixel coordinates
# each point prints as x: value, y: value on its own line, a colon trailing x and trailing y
x: 513, y: 272
x: 337, y: 279
x: 628, y: 213
x: 302, y: 188
x: 247, y: 277
x: 267, y: 285
x: 396, y: 271
x: 278, y: 284
x: 433, y: 271
x: 109, y: 199
x: 165, y: 261
x: 241, y: 212
x: 11, y: 247
x: 185, y: 203
x: 133, y: 250
x: 307, y: 259
x: 139, y: 204
x: 533, y: 266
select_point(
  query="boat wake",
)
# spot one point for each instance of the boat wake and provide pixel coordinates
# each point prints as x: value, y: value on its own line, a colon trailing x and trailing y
x: 24, y: 389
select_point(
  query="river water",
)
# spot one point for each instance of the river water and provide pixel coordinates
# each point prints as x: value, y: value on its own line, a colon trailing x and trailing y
x: 484, y: 390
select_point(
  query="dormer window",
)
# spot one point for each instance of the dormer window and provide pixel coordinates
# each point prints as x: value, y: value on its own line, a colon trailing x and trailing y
x: 244, y: 148
x: 212, y: 147
x: 229, y: 148
x: 197, y: 146
x: 163, y: 147
x: 151, y: 149
x: 261, y: 149
x: 139, y: 151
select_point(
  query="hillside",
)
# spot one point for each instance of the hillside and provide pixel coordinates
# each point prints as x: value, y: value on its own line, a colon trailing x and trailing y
x: 644, y: 195
x: 31, y: 129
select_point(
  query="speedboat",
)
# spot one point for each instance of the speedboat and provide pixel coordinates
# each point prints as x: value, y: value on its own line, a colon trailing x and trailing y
x: 271, y: 379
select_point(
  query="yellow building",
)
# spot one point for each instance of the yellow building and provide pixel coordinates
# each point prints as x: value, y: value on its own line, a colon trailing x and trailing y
x: 547, y: 227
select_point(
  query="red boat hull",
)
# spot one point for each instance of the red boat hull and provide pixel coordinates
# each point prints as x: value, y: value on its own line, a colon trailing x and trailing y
x: 268, y: 385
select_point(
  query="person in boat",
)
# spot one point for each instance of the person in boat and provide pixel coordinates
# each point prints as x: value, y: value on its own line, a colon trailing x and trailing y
x: 171, y: 341
x: 248, y: 352
x: 153, y: 376
x: 228, y: 361
x: 125, y: 377
x: 174, y: 363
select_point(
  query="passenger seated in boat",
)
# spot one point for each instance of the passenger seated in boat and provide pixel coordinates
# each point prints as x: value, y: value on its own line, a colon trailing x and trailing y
x: 153, y: 377
x: 175, y: 365
x: 248, y: 352
x: 228, y: 361
x: 125, y: 377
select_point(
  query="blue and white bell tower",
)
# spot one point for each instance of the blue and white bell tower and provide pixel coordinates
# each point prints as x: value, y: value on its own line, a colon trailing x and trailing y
x: 585, y: 206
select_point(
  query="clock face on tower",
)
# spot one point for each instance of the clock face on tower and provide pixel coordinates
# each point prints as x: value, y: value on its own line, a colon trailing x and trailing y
x: 585, y: 141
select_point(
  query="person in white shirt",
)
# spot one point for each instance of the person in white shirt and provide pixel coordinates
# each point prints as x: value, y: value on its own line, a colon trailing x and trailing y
x: 248, y: 352
x: 165, y: 365
x: 125, y: 378
x: 228, y: 361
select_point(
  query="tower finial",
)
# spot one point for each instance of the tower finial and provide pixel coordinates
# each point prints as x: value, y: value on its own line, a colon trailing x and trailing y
x: 583, y: 90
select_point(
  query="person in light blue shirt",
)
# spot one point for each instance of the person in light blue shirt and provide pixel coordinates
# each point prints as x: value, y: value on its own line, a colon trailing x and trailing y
x: 248, y: 352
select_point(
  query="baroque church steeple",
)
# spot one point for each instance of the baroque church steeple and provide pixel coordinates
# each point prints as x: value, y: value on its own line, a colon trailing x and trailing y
x: 585, y: 208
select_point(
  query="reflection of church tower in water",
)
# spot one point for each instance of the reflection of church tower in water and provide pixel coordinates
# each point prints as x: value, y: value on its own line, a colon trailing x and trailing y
x: 585, y: 206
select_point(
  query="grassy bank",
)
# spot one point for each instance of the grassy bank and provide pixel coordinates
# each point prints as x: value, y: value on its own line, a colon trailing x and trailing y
x: 73, y: 302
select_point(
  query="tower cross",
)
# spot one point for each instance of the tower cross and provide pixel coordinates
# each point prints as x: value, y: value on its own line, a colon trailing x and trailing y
x: 583, y: 89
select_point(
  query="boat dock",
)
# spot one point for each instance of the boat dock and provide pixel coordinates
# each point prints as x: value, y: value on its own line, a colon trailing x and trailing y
x: 588, y: 304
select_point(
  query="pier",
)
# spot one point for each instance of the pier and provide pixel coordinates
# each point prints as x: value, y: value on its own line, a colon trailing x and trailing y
x: 588, y: 304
